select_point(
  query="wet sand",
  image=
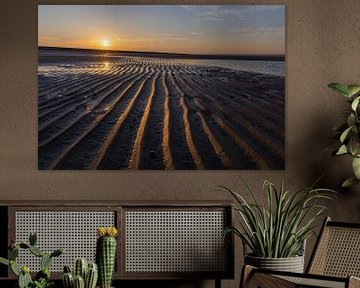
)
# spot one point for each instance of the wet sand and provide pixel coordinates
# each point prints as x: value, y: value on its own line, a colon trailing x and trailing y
x: 157, y: 113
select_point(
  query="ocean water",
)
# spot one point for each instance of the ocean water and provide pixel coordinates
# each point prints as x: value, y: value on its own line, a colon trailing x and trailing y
x: 266, y: 67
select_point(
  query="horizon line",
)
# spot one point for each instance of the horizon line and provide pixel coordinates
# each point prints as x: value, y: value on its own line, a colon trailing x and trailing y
x: 161, y: 53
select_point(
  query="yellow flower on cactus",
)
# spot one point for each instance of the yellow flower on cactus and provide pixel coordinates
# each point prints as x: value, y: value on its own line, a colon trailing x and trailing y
x: 101, y: 231
x: 112, y: 231
x: 107, y: 231
x: 25, y: 269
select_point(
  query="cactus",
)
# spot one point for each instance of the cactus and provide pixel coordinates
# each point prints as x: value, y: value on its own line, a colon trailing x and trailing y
x: 80, y: 268
x: 14, y: 268
x: 32, y: 238
x: 106, y: 254
x: 24, y: 277
x: 90, y: 272
x: 13, y: 253
x: 67, y: 269
x: 68, y: 280
x: 24, y: 245
x: 42, y: 278
x: 36, y: 251
x: 57, y: 252
x: 45, y: 261
x: 79, y: 282
x: 4, y: 261
x: 24, y: 280
x: 91, y: 276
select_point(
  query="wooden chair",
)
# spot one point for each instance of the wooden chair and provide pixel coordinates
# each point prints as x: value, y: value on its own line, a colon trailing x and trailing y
x: 334, y: 263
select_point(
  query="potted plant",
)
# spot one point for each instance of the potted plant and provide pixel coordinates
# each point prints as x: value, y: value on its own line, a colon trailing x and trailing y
x: 276, y: 233
x: 348, y: 132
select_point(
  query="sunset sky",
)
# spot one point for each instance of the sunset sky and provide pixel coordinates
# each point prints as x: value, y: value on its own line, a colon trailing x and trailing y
x: 192, y: 29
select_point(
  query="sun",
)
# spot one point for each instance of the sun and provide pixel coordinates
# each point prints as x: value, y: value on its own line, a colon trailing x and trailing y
x: 105, y: 43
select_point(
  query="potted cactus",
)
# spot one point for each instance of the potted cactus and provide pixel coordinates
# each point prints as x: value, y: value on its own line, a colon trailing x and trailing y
x: 84, y: 275
x: 106, y: 254
x: 42, y: 278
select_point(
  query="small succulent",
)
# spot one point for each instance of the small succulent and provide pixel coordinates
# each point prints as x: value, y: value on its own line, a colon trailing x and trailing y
x: 43, y: 283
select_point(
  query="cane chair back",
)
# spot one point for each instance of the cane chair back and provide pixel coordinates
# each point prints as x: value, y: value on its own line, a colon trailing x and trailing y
x: 337, y: 252
x: 335, y: 262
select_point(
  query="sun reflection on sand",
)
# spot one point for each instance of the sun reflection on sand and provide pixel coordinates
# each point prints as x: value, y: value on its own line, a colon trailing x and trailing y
x: 106, y: 65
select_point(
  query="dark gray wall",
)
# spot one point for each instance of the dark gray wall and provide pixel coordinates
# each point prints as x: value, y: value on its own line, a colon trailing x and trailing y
x: 322, y: 46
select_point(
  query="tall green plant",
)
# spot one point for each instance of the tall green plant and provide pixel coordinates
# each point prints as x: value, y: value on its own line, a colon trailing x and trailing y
x: 279, y: 229
x: 348, y: 132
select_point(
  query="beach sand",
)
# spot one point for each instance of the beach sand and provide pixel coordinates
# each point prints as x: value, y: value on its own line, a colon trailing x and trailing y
x: 157, y: 113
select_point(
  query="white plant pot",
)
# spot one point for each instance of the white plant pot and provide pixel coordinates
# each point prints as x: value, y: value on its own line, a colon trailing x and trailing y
x: 291, y: 264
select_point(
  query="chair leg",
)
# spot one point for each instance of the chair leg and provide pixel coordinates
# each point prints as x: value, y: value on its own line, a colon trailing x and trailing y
x: 217, y: 283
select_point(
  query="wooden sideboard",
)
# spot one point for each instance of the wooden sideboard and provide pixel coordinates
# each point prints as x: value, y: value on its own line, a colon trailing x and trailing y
x: 157, y: 240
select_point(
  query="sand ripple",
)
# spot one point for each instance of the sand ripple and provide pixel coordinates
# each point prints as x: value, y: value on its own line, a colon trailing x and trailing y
x: 156, y: 113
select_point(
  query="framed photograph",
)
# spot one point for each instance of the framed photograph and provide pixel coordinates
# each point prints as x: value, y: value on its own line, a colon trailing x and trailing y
x: 161, y: 87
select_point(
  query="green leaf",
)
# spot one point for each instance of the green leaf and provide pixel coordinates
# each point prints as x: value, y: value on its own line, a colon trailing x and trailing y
x: 355, y: 103
x: 349, y: 182
x: 345, y: 134
x: 340, y: 88
x: 342, y: 150
x: 351, y: 120
x: 356, y: 167
x: 354, y: 143
x: 340, y: 127
x: 353, y: 89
